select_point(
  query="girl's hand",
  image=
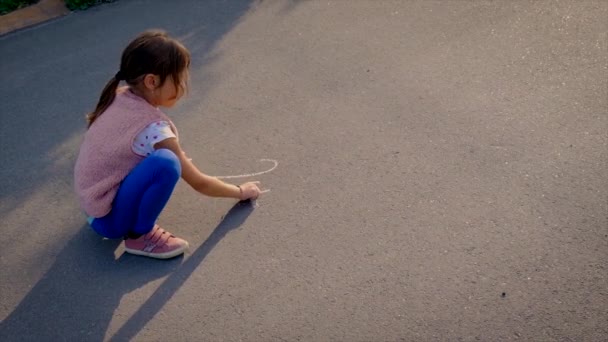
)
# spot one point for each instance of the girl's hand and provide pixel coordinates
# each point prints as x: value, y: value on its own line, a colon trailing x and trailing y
x: 249, y: 190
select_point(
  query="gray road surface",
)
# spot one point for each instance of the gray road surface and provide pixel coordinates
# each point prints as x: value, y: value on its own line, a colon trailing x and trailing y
x: 442, y: 175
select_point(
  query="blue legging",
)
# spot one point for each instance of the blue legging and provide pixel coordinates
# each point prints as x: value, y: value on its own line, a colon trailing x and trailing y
x: 141, y: 197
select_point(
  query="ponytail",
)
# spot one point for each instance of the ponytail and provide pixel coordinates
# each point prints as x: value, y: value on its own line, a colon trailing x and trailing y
x: 105, y: 100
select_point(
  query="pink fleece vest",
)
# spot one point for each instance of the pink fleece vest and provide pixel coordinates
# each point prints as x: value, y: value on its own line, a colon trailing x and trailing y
x: 106, y: 156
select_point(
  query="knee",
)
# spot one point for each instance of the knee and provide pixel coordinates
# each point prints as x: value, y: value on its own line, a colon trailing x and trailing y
x: 166, y: 163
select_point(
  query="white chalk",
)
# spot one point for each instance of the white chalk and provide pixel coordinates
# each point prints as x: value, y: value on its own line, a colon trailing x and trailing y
x: 276, y: 163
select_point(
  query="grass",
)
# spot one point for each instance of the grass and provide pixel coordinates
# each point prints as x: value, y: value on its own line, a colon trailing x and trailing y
x: 7, y: 6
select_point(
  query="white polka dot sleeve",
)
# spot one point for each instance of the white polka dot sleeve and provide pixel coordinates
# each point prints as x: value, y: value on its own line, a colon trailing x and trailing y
x: 144, y: 142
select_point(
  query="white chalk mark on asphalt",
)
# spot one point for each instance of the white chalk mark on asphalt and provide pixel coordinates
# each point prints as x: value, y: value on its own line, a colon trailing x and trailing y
x: 276, y: 163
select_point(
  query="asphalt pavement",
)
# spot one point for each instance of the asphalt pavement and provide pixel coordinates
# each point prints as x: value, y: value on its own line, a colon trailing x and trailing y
x: 441, y: 174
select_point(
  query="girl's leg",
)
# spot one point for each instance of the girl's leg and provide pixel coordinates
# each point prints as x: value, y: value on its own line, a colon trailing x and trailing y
x: 141, y: 197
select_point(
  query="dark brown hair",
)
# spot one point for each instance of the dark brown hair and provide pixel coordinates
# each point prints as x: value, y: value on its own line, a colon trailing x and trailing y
x: 152, y: 52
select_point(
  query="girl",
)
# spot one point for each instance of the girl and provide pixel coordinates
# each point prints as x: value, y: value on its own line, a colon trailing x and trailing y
x: 131, y: 159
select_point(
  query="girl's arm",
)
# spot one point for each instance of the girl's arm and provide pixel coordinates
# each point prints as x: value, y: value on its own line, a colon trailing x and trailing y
x: 203, y: 183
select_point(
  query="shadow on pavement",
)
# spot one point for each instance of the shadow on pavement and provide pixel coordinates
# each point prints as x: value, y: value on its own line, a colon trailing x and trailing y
x: 233, y: 219
x: 75, y: 300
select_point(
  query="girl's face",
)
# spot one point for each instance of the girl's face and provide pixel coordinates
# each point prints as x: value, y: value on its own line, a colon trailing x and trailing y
x: 169, y: 93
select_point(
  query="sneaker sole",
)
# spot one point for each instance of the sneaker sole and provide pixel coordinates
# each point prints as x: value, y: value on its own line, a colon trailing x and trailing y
x: 166, y: 255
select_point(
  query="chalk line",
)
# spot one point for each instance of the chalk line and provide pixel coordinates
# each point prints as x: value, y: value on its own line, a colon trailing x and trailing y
x: 276, y: 163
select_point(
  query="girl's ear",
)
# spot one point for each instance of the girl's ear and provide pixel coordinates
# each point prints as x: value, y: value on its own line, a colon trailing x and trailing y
x: 151, y: 81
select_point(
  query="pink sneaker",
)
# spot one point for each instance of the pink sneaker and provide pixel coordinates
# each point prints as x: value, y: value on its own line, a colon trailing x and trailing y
x: 158, y: 244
